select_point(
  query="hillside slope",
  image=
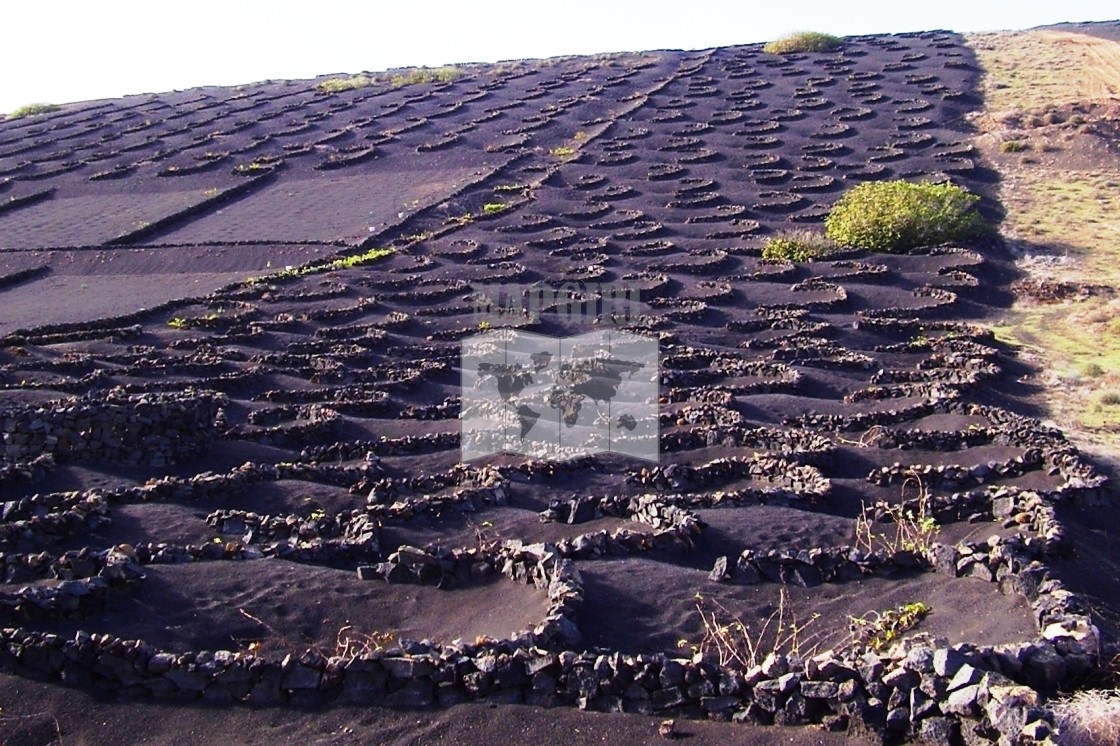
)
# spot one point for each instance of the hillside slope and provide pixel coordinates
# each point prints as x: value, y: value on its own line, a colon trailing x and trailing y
x: 231, y: 382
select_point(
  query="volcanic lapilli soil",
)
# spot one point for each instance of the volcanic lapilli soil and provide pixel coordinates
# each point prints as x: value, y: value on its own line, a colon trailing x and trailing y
x: 665, y: 171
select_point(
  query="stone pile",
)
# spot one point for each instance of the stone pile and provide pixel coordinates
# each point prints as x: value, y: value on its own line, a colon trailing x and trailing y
x: 782, y: 479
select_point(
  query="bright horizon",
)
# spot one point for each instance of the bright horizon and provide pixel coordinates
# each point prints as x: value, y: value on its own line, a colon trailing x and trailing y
x: 69, y: 51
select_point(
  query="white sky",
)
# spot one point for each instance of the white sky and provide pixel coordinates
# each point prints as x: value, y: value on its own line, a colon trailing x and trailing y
x: 59, y: 51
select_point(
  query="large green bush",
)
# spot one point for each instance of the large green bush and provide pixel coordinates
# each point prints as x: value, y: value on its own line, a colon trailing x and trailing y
x: 803, y: 41
x: 896, y: 216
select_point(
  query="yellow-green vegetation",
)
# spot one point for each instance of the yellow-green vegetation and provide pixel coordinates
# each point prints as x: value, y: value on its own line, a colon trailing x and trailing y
x: 252, y: 167
x: 1079, y: 345
x: 897, y: 216
x: 346, y: 262
x: 1013, y: 146
x: 877, y: 630
x: 1062, y: 214
x: 797, y: 246
x: 1028, y: 69
x: 31, y: 110
x: 357, y: 260
x: 493, y: 208
x: 570, y: 149
x: 1075, y: 214
x: 398, y: 79
x: 180, y: 323
x: 349, y: 83
x: 803, y: 41
x: 421, y: 75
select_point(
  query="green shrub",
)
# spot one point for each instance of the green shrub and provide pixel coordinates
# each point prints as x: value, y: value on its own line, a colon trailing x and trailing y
x: 797, y: 246
x: 31, y: 110
x: 803, y: 41
x: 338, y: 85
x: 896, y: 216
x: 399, y: 79
x: 420, y: 75
x: 1013, y: 146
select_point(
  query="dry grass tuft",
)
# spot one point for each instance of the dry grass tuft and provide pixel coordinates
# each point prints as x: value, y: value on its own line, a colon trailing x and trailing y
x: 38, y: 727
x: 1090, y: 718
x: 351, y: 644
x: 915, y: 528
x: 735, y: 643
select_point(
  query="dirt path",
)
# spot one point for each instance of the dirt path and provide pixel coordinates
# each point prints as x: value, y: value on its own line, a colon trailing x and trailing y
x: 1027, y: 69
x: 1100, y: 58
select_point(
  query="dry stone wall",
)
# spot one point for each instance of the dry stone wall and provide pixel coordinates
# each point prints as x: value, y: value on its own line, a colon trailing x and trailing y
x: 114, y: 428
